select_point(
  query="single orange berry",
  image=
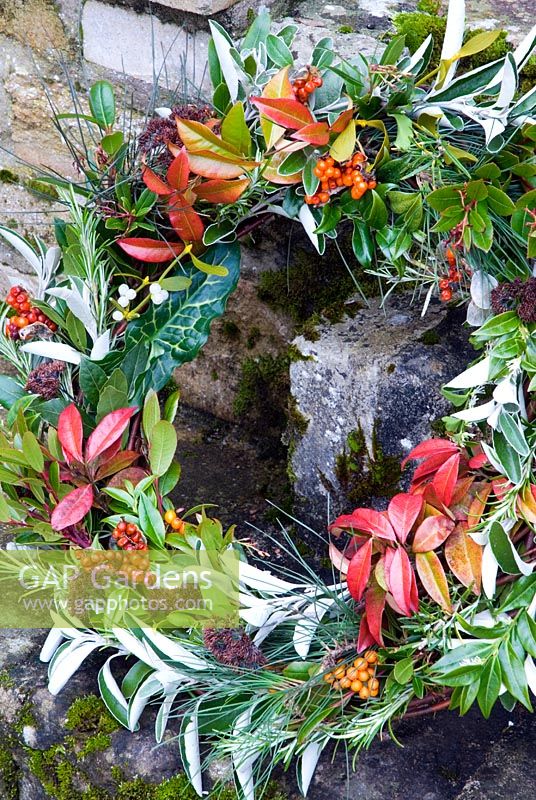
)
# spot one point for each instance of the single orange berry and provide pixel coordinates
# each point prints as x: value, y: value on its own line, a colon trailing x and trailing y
x: 446, y: 295
x: 324, y: 197
x: 360, y: 663
x: 169, y: 516
x: 364, y: 693
x: 318, y: 172
x: 374, y: 684
x: 356, y: 686
x: 345, y: 683
x: 363, y: 675
x: 444, y: 283
x: 371, y: 656
x: 340, y: 672
x: 328, y: 677
x: 178, y: 525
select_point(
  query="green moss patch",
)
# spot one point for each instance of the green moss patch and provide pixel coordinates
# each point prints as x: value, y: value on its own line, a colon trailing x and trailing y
x: 364, y: 472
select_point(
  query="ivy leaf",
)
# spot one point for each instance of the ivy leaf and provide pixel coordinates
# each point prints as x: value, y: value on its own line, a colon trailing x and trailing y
x: 175, y: 331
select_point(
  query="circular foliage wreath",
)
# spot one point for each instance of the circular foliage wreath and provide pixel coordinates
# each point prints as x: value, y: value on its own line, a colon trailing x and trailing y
x: 432, y: 603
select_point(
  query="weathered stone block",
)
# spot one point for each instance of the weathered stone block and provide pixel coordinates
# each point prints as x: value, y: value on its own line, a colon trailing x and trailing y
x: 142, y: 46
x: 204, y: 7
x: 381, y: 371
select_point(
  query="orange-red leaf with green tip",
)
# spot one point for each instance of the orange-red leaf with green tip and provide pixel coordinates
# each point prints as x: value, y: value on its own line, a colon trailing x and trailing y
x: 431, y: 533
x: 179, y: 171
x: 152, y: 251
x: 478, y: 504
x: 198, y: 138
x: 72, y: 508
x: 208, y: 165
x: 359, y: 570
x: 70, y: 433
x: 403, y: 511
x: 222, y: 191
x: 154, y: 182
x: 433, y: 578
x: 117, y: 463
x: 464, y: 557
x: 315, y: 133
x: 284, y: 111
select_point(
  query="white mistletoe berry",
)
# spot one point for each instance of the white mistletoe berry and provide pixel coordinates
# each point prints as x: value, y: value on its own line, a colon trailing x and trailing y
x: 123, y: 301
x: 124, y: 289
x: 117, y: 316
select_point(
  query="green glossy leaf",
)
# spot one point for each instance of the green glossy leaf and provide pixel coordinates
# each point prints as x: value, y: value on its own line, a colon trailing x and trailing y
x: 151, y: 413
x: 502, y: 549
x: 10, y: 391
x: 162, y: 446
x: 521, y: 593
x: 500, y: 202
x: 403, y: 671
x: 490, y: 686
x: 513, y: 674
x: 362, y: 243
x: 92, y: 378
x: 151, y: 522
x: 33, y: 452
x: 526, y: 633
x: 102, y: 103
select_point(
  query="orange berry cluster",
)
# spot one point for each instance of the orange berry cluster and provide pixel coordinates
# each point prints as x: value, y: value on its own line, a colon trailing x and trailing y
x: 445, y: 284
x: 128, y: 536
x: 174, y: 521
x: 305, y: 86
x: 358, y: 678
x: 115, y: 559
x: 26, y: 314
x: 334, y: 176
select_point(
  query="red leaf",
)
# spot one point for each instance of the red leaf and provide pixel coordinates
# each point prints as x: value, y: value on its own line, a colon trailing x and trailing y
x: 221, y: 191
x: 284, y: 111
x: 500, y: 487
x: 414, y: 594
x: 428, y: 467
x: 154, y: 182
x: 430, y: 447
x: 359, y: 570
x: 433, y: 579
x: 70, y: 433
x: 374, y: 605
x: 179, y: 171
x: 108, y: 431
x: 186, y: 222
x: 371, y: 521
x: 365, y: 638
x: 431, y: 533
x: 314, y: 133
x: 445, y: 479
x: 116, y: 463
x: 478, y: 461
x: 150, y: 250
x: 341, y: 123
x: 132, y: 474
x: 72, y: 508
x: 403, y: 511
x: 399, y: 577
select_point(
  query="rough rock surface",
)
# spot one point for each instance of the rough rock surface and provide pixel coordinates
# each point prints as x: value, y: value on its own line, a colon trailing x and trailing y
x: 376, y: 371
